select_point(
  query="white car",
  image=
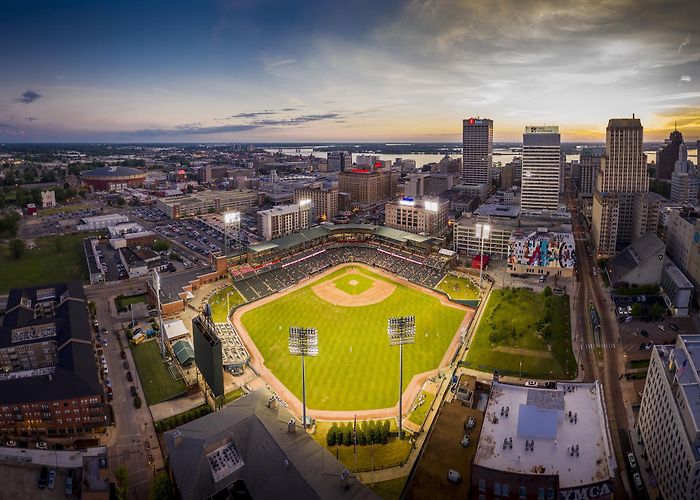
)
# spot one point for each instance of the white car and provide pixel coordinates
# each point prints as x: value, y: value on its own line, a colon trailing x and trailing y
x: 41, y: 445
x: 531, y: 383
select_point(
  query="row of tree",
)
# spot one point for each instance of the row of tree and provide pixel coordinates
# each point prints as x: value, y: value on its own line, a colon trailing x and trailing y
x: 369, y: 432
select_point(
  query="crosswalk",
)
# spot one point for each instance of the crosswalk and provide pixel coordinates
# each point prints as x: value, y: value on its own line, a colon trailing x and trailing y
x: 607, y: 345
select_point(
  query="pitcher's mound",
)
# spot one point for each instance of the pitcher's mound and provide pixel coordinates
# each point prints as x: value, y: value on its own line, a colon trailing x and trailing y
x: 379, y: 291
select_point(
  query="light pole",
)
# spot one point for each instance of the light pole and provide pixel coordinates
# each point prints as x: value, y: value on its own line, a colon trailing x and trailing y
x: 303, y: 342
x: 156, y: 287
x: 401, y: 330
x: 483, y: 231
x: 230, y: 218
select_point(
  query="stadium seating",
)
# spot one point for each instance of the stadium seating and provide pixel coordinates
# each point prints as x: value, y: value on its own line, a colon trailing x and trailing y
x: 276, y: 276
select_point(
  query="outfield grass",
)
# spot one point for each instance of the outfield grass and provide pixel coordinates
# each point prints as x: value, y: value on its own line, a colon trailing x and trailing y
x: 458, y: 288
x: 507, y: 335
x: 54, y: 259
x: 217, y: 302
x: 354, y: 283
x: 158, y: 384
x: 355, y: 369
x: 369, y: 457
x: 418, y: 415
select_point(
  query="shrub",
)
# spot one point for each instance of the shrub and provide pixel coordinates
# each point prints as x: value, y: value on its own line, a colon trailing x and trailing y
x: 347, y: 435
x: 330, y: 437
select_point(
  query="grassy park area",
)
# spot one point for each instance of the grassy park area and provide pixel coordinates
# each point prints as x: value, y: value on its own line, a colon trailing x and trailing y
x: 418, y: 415
x: 158, y: 383
x: 54, y: 259
x: 523, y: 333
x: 132, y: 299
x: 458, y: 287
x: 351, y: 371
x: 217, y: 302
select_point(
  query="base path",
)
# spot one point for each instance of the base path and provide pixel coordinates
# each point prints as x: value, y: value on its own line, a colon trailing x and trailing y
x: 329, y: 292
x: 258, y: 362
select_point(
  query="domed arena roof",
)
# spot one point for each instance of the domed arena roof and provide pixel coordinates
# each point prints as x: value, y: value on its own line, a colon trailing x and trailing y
x: 113, y: 172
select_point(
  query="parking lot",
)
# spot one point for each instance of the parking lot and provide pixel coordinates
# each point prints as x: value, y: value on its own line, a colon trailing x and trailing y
x: 20, y: 481
x: 193, y: 234
x: 148, y: 214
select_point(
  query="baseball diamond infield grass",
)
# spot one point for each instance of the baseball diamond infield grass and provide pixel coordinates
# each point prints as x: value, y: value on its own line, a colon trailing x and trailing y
x: 355, y: 369
x: 508, y: 335
x: 354, y: 283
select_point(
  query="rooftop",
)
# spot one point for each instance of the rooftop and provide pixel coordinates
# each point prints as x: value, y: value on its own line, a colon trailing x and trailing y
x: 113, y: 171
x: 555, y: 420
x: 247, y: 442
x: 684, y: 373
x: 498, y: 210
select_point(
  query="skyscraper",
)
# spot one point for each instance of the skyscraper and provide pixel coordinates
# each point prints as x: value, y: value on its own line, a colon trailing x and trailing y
x: 684, y: 180
x: 667, y: 156
x: 589, y: 164
x: 541, y: 168
x: 623, y: 175
x: 339, y: 161
x: 477, y: 150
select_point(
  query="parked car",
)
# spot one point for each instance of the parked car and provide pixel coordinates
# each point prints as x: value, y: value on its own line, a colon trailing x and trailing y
x: 68, y: 490
x: 122, y: 353
x: 465, y: 441
x: 11, y: 444
x: 550, y: 385
x: 673, y: 327
x: 632, y: 461
x: 43, y: 477
x: 531, y: 383
x: 126, y: 364
x: 41, y: 445
x: 643, y: 333
x: 470, y: 423
x: 52, y: 479
x: 133, y: 390
x: 129, y: 377
x: 661, y: 327
x: 137, y: 331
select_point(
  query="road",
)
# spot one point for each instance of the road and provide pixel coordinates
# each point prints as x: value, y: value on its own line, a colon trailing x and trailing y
x: 134, y: 428
x: 606, y: 369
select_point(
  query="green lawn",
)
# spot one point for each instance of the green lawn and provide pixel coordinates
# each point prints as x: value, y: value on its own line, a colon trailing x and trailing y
x: 369, y: 457
x: 133, y: 299
x: 54, y: 259
x: 507, y: 335
x: 356, y: 369
x: 218, y: 303
x: 458, y: 288
x: 354, y: 283
x: 418, y: 415
x: 158, y: 384
x: 389, y: 490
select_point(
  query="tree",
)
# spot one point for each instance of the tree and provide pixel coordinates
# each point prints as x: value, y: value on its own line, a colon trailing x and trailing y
x: 548, y: 291
x: 372, y: 432
x: 162, y: 488
x: 17, y: 248
x: 330, y: 436
x: 637, y: 309
x: 160, y: 246
x: 347, y: 435
x: 122, y: 477
x: 657, y: 310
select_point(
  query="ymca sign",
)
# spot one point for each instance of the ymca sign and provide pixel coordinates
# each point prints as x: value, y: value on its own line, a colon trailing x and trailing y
x: 600, y: 490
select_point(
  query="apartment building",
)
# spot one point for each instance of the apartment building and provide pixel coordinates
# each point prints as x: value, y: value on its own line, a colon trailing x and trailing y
x: 282, y: 220
x: 422, y: 215
x: 207, y: 202
x: 324, y: 201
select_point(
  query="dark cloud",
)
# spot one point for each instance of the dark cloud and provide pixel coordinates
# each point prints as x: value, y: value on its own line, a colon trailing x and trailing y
x: 28, y: 97
x: 299, y: 120
x: 254, y: 114
x: 194, y: 129
x: 31, y: 119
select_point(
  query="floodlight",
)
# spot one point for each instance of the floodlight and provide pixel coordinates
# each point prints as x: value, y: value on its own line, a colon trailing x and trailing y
x: 303, y: 341
x: 231, y: 217
x: 401, y: 330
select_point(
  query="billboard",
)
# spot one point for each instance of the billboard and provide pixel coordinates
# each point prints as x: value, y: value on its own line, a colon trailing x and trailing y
x: 207, y: 354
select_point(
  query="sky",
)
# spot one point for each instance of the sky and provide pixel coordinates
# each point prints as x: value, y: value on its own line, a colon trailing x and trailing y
x: 343, y: 71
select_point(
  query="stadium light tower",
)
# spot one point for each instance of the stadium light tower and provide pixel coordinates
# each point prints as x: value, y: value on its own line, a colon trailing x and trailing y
x: 303, y: 342
x: 483, y: 231
x: 401, y: 330
x: 156, y: 287
x: 230, y: 219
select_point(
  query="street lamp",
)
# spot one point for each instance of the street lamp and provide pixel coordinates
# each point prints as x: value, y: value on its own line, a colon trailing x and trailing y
x: 482, y: 231
x: 401, y: 330
x: 303, y: 342
x: 230, y: 218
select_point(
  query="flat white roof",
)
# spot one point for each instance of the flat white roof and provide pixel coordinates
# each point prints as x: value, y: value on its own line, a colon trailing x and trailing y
x: 542, y: 416
x: 174, y: 329
x: 106, y: 217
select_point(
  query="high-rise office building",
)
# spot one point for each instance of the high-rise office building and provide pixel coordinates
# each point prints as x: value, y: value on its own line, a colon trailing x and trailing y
x: 669, y: 416
x: 589, y: 165
x: 324, y: 204
x: 667, y: 156
x: 622, y: 176
x: 684, y: 180
x: 477, y: 150
x: 541, y: 168
x: 368, y: 186
x: 339, y: 161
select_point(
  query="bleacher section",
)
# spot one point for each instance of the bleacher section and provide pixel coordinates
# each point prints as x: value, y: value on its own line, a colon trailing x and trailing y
x: 278, y: 275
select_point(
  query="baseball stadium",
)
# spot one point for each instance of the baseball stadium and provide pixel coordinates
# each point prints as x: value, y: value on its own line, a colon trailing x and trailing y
x: 347, y: 281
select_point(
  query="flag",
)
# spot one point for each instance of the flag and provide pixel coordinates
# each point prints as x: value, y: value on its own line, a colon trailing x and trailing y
x: 354, y: 436
x: 681, y: 369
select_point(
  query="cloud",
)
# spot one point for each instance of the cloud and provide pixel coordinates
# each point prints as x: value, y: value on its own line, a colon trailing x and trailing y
x: 685, y: 79
x: 299, y: 120
x: 28, y: 97
x: 254, y: 114
x: 684, y: 43
x: 191, y: 129
x: 31, y: 119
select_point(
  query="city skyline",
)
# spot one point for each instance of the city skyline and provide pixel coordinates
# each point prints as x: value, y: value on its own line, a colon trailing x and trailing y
x: 271, y: 71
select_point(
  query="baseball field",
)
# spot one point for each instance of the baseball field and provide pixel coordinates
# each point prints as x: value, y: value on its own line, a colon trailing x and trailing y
x: 355, y: 369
